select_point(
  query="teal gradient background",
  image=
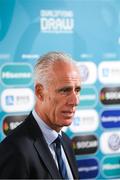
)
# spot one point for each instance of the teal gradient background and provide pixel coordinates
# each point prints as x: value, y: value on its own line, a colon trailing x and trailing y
x: 96, y: 34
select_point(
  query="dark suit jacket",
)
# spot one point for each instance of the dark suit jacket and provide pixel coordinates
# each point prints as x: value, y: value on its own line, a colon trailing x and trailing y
x: 25, y: 154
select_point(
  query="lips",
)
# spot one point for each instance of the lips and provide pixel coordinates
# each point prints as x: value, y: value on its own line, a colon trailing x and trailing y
x: 68, y: 114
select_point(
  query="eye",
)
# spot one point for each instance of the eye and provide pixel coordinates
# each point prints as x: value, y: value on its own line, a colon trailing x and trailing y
x: 78, y: 89
x: 65, y: 90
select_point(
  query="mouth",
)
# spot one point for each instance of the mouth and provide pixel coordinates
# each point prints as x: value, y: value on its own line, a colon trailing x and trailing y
x: 68, y: 114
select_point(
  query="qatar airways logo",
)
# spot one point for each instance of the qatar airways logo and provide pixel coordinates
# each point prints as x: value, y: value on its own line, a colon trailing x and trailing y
x: 56, y: 21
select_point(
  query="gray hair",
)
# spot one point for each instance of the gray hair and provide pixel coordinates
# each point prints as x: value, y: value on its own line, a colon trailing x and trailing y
x: 44, y: 66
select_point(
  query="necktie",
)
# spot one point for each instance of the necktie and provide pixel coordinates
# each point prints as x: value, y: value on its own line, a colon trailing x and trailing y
x: 61, y: 164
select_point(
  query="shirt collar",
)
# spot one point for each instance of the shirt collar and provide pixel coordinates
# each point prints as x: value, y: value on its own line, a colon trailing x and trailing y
x: 49, y: 134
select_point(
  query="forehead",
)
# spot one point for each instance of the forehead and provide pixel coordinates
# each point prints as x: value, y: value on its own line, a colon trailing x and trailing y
x: 66, y: 73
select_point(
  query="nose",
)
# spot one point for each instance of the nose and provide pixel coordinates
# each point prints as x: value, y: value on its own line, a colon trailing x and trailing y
x: 74, y: 99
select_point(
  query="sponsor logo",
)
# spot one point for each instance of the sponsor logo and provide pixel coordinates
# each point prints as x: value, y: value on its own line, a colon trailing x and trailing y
x: 86, y: 56
x: 84, y: 72
x: 11, y: 122
x: 111, y: 167
x: 88, y: 97
x: 110, y: 142
x: 114, y: 142
x: 9, y: 100
x: 85, y: 121
x: 56, y: 21
x: 110, y: 118
x: 88, y: 168
x: 109, y: 55
x: 109, y: 96
x: 88, y: 72
x: 83, y: 145
x: 16, y: 74
x: 12, y: 100
x: 109, y: 72
x: 30, y: 56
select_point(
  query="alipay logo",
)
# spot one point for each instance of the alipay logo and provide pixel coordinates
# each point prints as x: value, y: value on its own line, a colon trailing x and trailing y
x: 9, y: 100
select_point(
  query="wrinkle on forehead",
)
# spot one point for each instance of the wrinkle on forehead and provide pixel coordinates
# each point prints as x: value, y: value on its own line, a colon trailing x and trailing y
x: 67, y: 75
x: 66, y: 68
x: 64, y: 73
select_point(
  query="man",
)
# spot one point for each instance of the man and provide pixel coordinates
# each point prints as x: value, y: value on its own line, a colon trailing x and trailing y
x: 31, y: 150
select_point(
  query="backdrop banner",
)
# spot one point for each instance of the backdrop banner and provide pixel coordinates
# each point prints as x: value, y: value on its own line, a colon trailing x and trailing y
x: 88, y: 30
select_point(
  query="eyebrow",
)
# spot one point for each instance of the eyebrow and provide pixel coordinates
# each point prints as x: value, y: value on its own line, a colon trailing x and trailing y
x: 67, y: 88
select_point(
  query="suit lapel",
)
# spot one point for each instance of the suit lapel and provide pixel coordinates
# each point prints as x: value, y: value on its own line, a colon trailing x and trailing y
x: 44, y: 152
x: 47, y: 158
x: 42, y: 148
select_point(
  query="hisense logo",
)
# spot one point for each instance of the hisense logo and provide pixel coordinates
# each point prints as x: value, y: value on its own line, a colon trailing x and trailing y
x: 56, y: 21
x: 23, y: 75
x: 16, y: 74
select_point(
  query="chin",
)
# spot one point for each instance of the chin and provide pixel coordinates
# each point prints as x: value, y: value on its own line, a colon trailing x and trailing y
x: 68, y: 122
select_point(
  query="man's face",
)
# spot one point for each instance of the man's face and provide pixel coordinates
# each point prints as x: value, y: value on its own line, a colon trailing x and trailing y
x: 61, y: 97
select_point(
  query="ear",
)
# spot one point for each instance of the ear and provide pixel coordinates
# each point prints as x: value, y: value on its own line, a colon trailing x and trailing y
x: 39, y: 91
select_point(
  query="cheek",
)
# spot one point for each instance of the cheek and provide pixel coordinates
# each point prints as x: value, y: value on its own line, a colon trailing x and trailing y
x: 59, y: 106
x: 52, y: 105
x: 55, y: 106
